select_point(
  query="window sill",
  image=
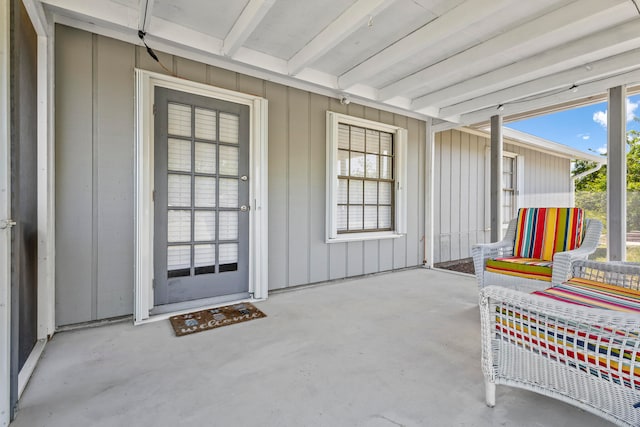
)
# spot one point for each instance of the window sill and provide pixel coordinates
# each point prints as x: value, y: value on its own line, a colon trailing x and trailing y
x: 359, y: 237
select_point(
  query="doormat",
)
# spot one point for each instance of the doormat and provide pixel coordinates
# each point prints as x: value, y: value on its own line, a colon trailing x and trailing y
x: 185, y: 324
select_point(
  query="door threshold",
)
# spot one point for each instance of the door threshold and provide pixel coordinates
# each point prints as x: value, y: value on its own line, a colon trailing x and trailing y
x: 165, y: 311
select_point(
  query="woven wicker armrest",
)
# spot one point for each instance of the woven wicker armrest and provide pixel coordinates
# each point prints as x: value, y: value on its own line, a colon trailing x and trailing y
x: 562, y: 261
x: 585, y: 356
x: 623, y: 274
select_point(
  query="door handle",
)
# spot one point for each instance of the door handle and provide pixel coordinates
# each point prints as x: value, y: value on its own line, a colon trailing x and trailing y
x: 244, y: 208
x: 6, y: 223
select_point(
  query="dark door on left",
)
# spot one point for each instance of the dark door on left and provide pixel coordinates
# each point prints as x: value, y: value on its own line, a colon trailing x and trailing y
x: 24, y: 242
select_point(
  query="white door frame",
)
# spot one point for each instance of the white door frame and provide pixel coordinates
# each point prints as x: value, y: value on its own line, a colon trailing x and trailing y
x: 5, y: 212
x: 146, y: 81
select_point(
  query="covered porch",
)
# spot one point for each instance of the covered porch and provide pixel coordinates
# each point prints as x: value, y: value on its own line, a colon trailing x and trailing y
x: 325, y: 356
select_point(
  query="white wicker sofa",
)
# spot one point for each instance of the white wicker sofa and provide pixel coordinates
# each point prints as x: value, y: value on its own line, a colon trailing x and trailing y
x: 586, y: 356
x: 505, y: 248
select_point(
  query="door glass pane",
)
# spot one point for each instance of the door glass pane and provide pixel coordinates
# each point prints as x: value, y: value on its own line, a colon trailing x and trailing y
x: 357, y: 138
x: 370, y: 192
x: 228, y: 253
x: 178, y: 257
x: 205, y: 192
x: 370, y: 217
x: 228, y: 193
x: 343, y: 162
x: 179, y: 120
x: 228, y: 160
x: 204, y: 255
x: 355, y: 217
x: 178, y: 225
x: 179, y: 155
x: 384, y: 216
x: 205, y: 158
x: 356, y: 191
x: 229, y: 128
x: 341, y: 218
x: 343, y: 136
x: 205, y: 226
x: 205, y: 124
x: 372, y: 166
x: 385, y: 193
x: 179, y: 190
x: 228, y: 229
x: 342, y: 191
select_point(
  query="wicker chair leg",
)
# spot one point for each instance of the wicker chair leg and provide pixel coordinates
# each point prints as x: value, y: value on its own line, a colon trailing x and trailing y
x: 490, y: 393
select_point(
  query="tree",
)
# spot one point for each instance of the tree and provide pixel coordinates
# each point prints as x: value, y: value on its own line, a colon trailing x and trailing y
x: 591, y: 190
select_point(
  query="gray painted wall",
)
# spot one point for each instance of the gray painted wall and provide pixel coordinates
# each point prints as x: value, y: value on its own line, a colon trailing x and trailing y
x: 461, y: 194
x: 95, y: 178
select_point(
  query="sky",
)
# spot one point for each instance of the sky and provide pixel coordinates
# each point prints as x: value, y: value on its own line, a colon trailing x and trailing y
x: 584, y: 128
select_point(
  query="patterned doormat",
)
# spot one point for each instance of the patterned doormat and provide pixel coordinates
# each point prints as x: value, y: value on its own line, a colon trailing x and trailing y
x: 185, y: 324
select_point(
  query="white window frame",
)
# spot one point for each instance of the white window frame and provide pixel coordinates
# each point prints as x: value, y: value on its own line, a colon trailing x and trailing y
x: 146, y: 81
x: 400, y: 177
x: 519, y: 165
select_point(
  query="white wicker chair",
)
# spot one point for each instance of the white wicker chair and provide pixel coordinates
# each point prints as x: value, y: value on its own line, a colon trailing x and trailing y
x: 561, y: 260
x: 558, y: 375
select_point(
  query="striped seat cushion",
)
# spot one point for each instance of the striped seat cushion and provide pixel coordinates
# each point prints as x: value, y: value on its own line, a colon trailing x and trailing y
x: 528, y: 268
x: 590, y: 293
x: 541, y: 232
x: 579, y: 346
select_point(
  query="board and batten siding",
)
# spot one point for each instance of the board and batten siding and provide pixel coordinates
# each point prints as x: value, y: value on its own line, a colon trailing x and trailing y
x: 461, y: 191
x: 95, y: 178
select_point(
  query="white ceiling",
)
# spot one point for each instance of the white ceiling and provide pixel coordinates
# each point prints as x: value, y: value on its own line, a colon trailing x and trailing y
x: 453, y: 60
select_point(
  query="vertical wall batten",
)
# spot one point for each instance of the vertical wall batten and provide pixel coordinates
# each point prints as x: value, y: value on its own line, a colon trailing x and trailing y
x: 74, y: 214
x: 95, y: 166
x: 278, y: 154
x: 114, y: 154
x: 94, y: 177
x: 298, y: 186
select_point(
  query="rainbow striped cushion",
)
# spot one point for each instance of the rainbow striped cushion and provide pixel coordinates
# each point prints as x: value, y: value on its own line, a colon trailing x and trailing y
x: 590, y: 293
x: 528, y: 268
x: 541, y: 232
x: 566, y: 343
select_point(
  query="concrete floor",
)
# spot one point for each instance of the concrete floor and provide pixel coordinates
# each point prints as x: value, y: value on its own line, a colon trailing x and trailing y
x: 400, y: 349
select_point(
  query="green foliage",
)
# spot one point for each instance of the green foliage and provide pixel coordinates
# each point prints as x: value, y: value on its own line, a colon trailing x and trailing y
x: 591, y: 190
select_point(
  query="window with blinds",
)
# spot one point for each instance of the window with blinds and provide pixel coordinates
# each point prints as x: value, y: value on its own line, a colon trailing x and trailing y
x: 509, y: 188
x: 365, y: 180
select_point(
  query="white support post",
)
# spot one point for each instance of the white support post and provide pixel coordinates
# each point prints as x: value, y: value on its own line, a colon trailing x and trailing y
x: 617, y: 174
x: 496, y: 178
x: 429, y: 179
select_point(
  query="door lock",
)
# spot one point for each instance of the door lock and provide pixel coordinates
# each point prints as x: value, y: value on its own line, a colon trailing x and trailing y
x: 244, y: 208
x: 6, y: 223
x: 243, y: 178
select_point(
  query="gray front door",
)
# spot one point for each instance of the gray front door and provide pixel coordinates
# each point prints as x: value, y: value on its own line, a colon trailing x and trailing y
x: 201, y: 197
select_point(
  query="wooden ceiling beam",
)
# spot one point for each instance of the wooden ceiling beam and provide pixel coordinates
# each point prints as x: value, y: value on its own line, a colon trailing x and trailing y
x: 342, y: 27
x: 251, y: 16
x: 447, y: 25
x: 498, y: 51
